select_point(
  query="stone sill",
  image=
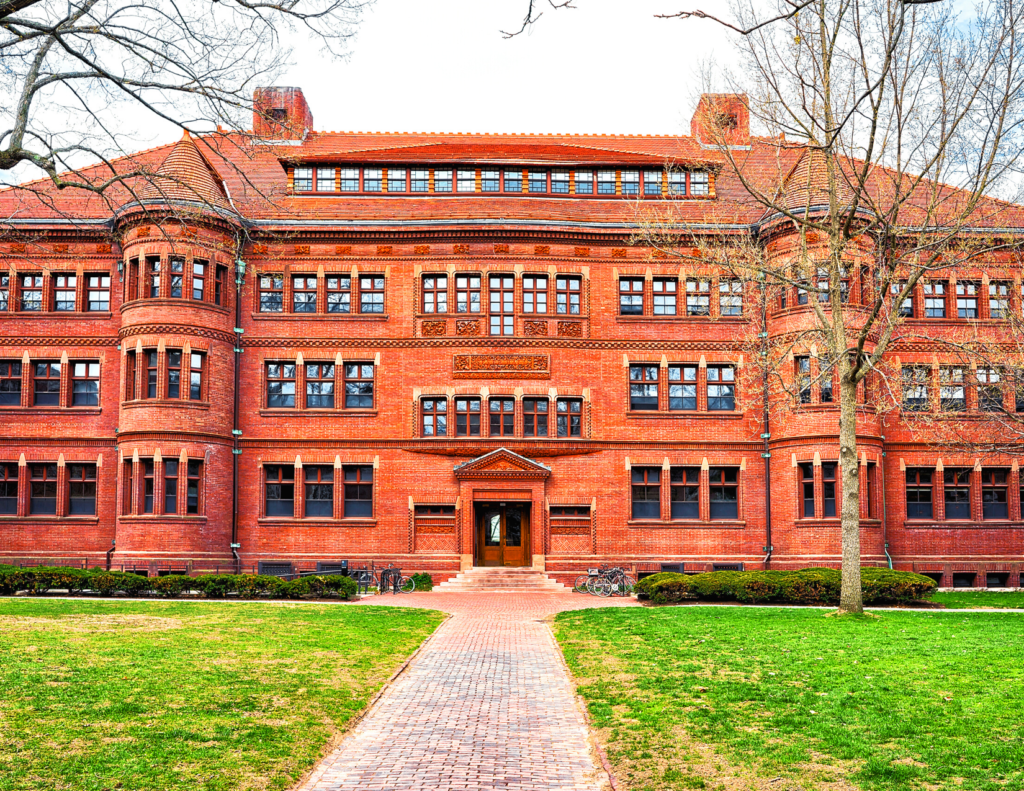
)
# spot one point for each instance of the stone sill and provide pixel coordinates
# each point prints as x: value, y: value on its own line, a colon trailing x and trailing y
x: 629, y: 319
x: 173, y: 302
x: 967, y: 524
x: 178, y: 519
x: 178, y: 403
x: 318, y: 412
x: 830, y: 521
x: 52, y: 410
x: 256, y: 316
x: 100, y: 315
x: 315, y: 521
x: 683, y: 415
x: 688, y: 524
x: 40, y: 518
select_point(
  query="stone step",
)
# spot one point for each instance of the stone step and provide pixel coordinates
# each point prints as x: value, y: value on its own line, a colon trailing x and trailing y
x: 501, y: 579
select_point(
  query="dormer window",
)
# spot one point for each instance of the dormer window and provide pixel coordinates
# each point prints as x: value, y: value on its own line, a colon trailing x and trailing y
x: 303, y: 179
x: 350, y: 179
x: 699, y: 183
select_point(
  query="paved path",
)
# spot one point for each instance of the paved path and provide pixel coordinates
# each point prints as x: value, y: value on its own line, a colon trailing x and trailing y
x: 486, y: 704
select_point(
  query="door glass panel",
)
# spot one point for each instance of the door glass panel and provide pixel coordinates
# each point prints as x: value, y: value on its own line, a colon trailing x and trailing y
x: 492, y: 530
x: 513, y: 528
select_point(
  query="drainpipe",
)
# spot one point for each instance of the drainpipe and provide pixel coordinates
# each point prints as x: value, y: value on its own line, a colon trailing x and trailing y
x: 236, y: 432
x: 767, y: 432
x: 885, y: 521
x: 110, y: 552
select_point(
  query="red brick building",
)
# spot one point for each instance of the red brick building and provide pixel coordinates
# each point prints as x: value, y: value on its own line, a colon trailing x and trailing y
x: 437, y: 350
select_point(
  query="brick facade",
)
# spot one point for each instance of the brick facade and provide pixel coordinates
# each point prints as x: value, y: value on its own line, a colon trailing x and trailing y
x: 261, y: 405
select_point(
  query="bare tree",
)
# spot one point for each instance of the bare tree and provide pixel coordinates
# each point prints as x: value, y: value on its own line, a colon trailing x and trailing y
x: 889, y: 127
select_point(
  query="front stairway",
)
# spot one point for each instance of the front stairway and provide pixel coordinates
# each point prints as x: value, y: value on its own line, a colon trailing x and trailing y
x: 498, y: 580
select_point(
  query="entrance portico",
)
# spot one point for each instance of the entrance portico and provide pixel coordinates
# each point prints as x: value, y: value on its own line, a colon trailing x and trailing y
x: 502, y: 519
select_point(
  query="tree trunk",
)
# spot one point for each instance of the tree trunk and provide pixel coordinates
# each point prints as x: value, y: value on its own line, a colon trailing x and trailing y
x: 851, y: 599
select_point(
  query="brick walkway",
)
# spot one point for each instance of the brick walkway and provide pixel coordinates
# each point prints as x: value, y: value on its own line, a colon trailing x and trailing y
x: 486, y: 704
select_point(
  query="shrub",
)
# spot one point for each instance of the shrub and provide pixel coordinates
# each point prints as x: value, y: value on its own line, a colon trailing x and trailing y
x: 172, y: 585
x: 319, y: 587
x: 40, y: 579
x: 107, y: 583
x: 424, y: 582
x: 252, y: 586
x: 214, y: 586
x: 803, y: 586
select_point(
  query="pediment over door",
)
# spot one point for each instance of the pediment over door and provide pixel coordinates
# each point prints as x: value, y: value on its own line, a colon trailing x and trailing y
x: 502, y: 463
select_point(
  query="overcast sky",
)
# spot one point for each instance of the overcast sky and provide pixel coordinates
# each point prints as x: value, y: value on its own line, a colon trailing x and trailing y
x: 443, y: 66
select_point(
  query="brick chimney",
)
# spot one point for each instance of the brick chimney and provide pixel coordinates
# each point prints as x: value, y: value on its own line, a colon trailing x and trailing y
x: 280, y: 114
x: 721, y: 118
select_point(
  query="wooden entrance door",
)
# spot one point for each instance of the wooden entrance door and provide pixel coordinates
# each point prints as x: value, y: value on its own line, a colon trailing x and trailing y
x: 502, y: 535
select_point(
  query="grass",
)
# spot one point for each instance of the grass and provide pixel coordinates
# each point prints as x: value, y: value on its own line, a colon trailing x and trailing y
x: 749, y: 698
x: 996, y: 600
x: 180, y: 695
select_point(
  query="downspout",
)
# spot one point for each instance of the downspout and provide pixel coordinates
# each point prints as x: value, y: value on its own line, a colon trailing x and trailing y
x: 885, y: 521
x: 110, y: 552
x: 766, y: 434
x: 236, y: 431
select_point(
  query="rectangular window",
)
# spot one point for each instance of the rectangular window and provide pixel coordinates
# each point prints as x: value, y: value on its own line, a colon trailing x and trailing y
x: 152, y: 359
x: 570, y: 512
x: 916, y: 379
x: 699, y: 183
x: 419, y: 181
x: 358, y: 385
x: 192, y: 486
x: 10, y: 383
x: 957, y: 493
x: 32, y: 293
x: 606, y: 182
x: 5, y: 292
x: 173, y: 373
x: 570, y: 417
x: 271, y: 293
x: 148, y: 485
x: 85, y: 384
x: 698, y: 297
x: 990, y: 391
x: 303, y: 179
x: 966, y: 300
x: 721, y: 388
x: 467, y: 417
x: 46, y: 383
x: 952, y: 394
x: 43, y: 489
x: 319, y: 490
x: 502, y: 293
x: 218, y: 285
x: 535, y: 417
x: 442, y: 181
x: 9, y: 488
x: 998, y: 300
x: 198, y: 280
x: 646, y: 494
x: 643, y: 387
x: 177, y: 276
x: 358, y: 490
x: 630, y: 182
x: 350, y: 179
x: 396, y: 180
x: 513, y: 181
x: 631, y: 296
x: 170, y: 486
x: 807, y: 490
x: 128, y: 489
x: 730, y: 298
x: 304, y: 294
x: 503, y: 413
x: 65, y: 289
x: 825, y: 383
x: 685, y: 483
x: 435, y: 417
x: 677, y: 182
x: 560, y: 182
x: 319, y: 385
x: 828, y: 489
x: 724, y: 492
x: 373, y: 180
x: 435, y: 293
x: 584, y: 182
x: 906, y: 310
x: 682, y: 388
x: 664, y: 296
x: 465, y: 181
x: 195, y: 376
x: 339, y: 293
x: 803, y: 379
x: 467, y: 293
x: 281, y: 385
x: 535, y: 294
x: 129, y: 376
x: 934, y: 300
x: 490, y: 181
x: 153, y: 276
x: 371, y: 294
x: 652, y: 182
x: 567, y: 295
x: 919, y: 493
x: 279, y: 489
x: 325, y: 180
x: 994, y: 503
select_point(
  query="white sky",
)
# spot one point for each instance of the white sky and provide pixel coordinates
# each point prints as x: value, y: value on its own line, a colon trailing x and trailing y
x: 443, y: 66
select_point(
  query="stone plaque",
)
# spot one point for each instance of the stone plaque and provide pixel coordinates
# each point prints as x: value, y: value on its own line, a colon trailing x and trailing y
x: 501, y: 366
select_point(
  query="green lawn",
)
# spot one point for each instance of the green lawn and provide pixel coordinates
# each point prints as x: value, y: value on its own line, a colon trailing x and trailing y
x: 186, y: 695
x: 778, y: 699
x: 957, y: 600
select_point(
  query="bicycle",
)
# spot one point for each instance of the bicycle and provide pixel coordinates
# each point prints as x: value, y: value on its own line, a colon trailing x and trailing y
x: 609, y: 581
x: 382, y: 579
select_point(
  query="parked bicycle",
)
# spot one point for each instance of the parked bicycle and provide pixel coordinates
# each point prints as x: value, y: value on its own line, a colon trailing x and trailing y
x: 605, y: 581
x: 382, y: 579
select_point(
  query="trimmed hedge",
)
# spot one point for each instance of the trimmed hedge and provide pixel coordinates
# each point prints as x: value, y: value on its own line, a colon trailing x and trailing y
x: 40, y: 579
x: 805, y: 586
x: 424, y: 582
